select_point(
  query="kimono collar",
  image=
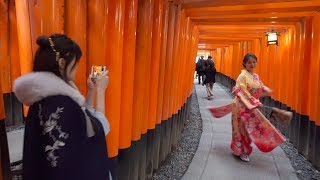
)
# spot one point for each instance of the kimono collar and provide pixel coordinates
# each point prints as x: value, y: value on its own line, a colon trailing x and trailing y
x: 253, y: 76
x: 35, y: 86
x: 244, y: 71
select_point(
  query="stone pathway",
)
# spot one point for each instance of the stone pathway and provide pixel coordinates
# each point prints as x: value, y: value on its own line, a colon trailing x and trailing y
x: 214, y: 160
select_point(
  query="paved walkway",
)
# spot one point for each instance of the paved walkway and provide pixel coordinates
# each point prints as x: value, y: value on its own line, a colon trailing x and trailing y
x: 15, y: 143
x: 214, y: 160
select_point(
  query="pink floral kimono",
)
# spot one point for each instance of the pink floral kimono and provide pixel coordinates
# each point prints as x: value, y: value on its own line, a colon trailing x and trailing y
x: 248, y: 123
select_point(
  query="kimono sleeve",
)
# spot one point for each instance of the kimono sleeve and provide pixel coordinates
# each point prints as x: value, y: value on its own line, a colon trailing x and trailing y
x: 266, y: 91
x: 242, y: 92
x: 241, y: 86
x: 64, y: 133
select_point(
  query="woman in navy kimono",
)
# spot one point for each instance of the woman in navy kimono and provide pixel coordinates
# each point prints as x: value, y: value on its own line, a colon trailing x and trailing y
x: 64, y: 134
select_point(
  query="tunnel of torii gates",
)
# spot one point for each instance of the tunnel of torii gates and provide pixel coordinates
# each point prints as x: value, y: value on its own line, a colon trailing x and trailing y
x: 150, y: 48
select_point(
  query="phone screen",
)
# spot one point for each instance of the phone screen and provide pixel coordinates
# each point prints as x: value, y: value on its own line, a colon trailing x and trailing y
x: 97, y: 71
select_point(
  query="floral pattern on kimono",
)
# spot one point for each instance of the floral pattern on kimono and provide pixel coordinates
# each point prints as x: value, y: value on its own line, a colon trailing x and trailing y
x: 248, y: 123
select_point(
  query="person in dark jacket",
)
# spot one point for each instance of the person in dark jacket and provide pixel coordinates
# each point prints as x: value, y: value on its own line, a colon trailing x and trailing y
x: 210, y: 78
x: 210, y: 59
x: 200, y: 68
x: 64, y: 134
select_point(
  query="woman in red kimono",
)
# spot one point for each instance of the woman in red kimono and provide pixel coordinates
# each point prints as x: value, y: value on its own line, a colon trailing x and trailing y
x: 248, y: 123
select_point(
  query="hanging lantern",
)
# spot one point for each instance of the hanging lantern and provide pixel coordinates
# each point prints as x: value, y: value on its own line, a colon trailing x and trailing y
x: 272, y: 38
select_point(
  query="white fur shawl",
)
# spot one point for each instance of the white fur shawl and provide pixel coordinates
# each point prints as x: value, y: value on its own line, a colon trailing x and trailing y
x: 36, y: 86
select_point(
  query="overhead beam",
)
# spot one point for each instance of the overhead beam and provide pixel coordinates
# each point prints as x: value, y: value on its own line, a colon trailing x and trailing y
x: 235, y: 36
x: 223, y: 41
x: 246, y: 20
x: 208, y: 7
x: 234, y: 33
x: 246, y: 14
x: 208, y: 37
x: 272, y: 23
x: 205, y: 3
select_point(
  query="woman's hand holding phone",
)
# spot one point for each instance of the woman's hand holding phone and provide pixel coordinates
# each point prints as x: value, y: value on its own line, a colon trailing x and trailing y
x: 102, y: 81
x: 99, y: 84
x: 91, y: 82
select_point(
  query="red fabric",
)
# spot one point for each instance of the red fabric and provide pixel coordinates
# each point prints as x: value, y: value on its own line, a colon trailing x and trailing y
x: 220, y: 111
x: 248, y: 123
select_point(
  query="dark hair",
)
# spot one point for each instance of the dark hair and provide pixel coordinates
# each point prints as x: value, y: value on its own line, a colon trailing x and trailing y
x: 209, y: 57
x: 46, y: 57
x: 247, y: 57
x: 210, y: 63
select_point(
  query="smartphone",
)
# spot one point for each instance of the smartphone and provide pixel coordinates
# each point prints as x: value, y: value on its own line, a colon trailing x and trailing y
x: 97, y: 71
